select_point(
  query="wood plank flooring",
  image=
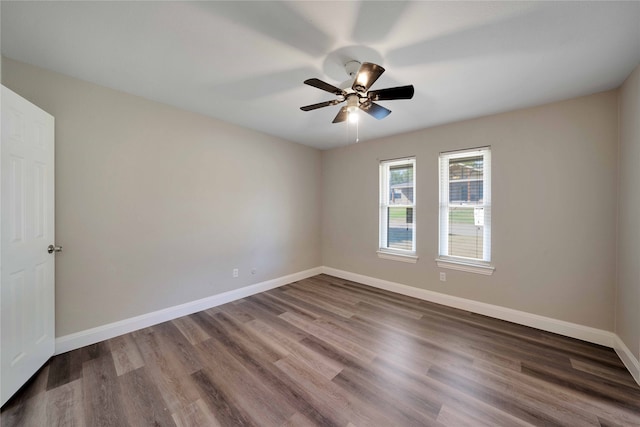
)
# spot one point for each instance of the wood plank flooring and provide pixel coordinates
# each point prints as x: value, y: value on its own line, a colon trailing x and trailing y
x: 329, y: 352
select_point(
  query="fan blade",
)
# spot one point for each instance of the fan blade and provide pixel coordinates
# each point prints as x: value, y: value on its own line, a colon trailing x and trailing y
x: 342, y: 115
x: 324, y: 86
x: 401, y: 92
x: 320, y: 105
x: 377, y: 111
x: 367, y: 75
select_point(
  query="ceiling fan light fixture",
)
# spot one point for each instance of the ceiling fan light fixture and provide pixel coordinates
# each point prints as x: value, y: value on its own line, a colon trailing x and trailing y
x: 353, y: 103
x: 353, y: 114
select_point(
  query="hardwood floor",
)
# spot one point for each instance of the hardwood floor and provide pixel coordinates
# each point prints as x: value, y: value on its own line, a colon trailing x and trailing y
x: 326, y: 351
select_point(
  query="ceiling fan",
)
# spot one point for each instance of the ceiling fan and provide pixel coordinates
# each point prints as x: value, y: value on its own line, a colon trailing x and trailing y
x: 358, y: 96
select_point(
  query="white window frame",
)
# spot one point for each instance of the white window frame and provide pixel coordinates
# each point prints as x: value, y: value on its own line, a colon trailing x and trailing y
x: 473, y: 265
x: 383, y: 250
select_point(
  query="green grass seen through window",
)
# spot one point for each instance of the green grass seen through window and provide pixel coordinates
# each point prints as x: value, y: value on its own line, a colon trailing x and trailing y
x: 397, y: 213
x: 461, y: 216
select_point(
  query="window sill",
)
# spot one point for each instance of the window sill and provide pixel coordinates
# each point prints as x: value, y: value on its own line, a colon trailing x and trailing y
x: 486, y: 269
x: 394, y: 256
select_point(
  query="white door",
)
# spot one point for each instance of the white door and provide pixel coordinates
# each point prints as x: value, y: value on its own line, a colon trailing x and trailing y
x: 26, y: 213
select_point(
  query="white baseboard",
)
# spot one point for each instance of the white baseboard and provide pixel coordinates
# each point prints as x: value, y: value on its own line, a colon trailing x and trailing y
x: 573, y: 330
x: 111, y: 330
x: 629, y: 360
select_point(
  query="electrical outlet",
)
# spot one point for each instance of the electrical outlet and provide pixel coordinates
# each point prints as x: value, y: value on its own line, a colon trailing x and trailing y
x: 235, y: 272
x: 443, y: 276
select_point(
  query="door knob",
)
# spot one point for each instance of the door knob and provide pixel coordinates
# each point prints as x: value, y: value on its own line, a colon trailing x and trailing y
x: 51, y: 249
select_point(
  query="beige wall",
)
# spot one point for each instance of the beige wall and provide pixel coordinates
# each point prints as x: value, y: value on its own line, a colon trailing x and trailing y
x: 554, y: 208
x: 628, y: 290
x: 155, y: 206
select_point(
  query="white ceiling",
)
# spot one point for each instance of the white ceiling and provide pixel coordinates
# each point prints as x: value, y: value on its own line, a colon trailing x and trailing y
x: 244, y: 62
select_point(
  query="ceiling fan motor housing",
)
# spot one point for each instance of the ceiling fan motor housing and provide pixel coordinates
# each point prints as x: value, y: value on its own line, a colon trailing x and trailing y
x: 353, y: 100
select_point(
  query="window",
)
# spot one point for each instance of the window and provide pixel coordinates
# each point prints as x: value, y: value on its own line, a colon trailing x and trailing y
x: 397, y: 206
x: 465, y: 210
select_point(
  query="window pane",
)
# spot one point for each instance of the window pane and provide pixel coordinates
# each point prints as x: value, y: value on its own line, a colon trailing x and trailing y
x: 465, y: 237
x: 467, y: 168
x: 401, y: 185
x: 465, y: 192
x: 400, y: 228
x: 465, y: 180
